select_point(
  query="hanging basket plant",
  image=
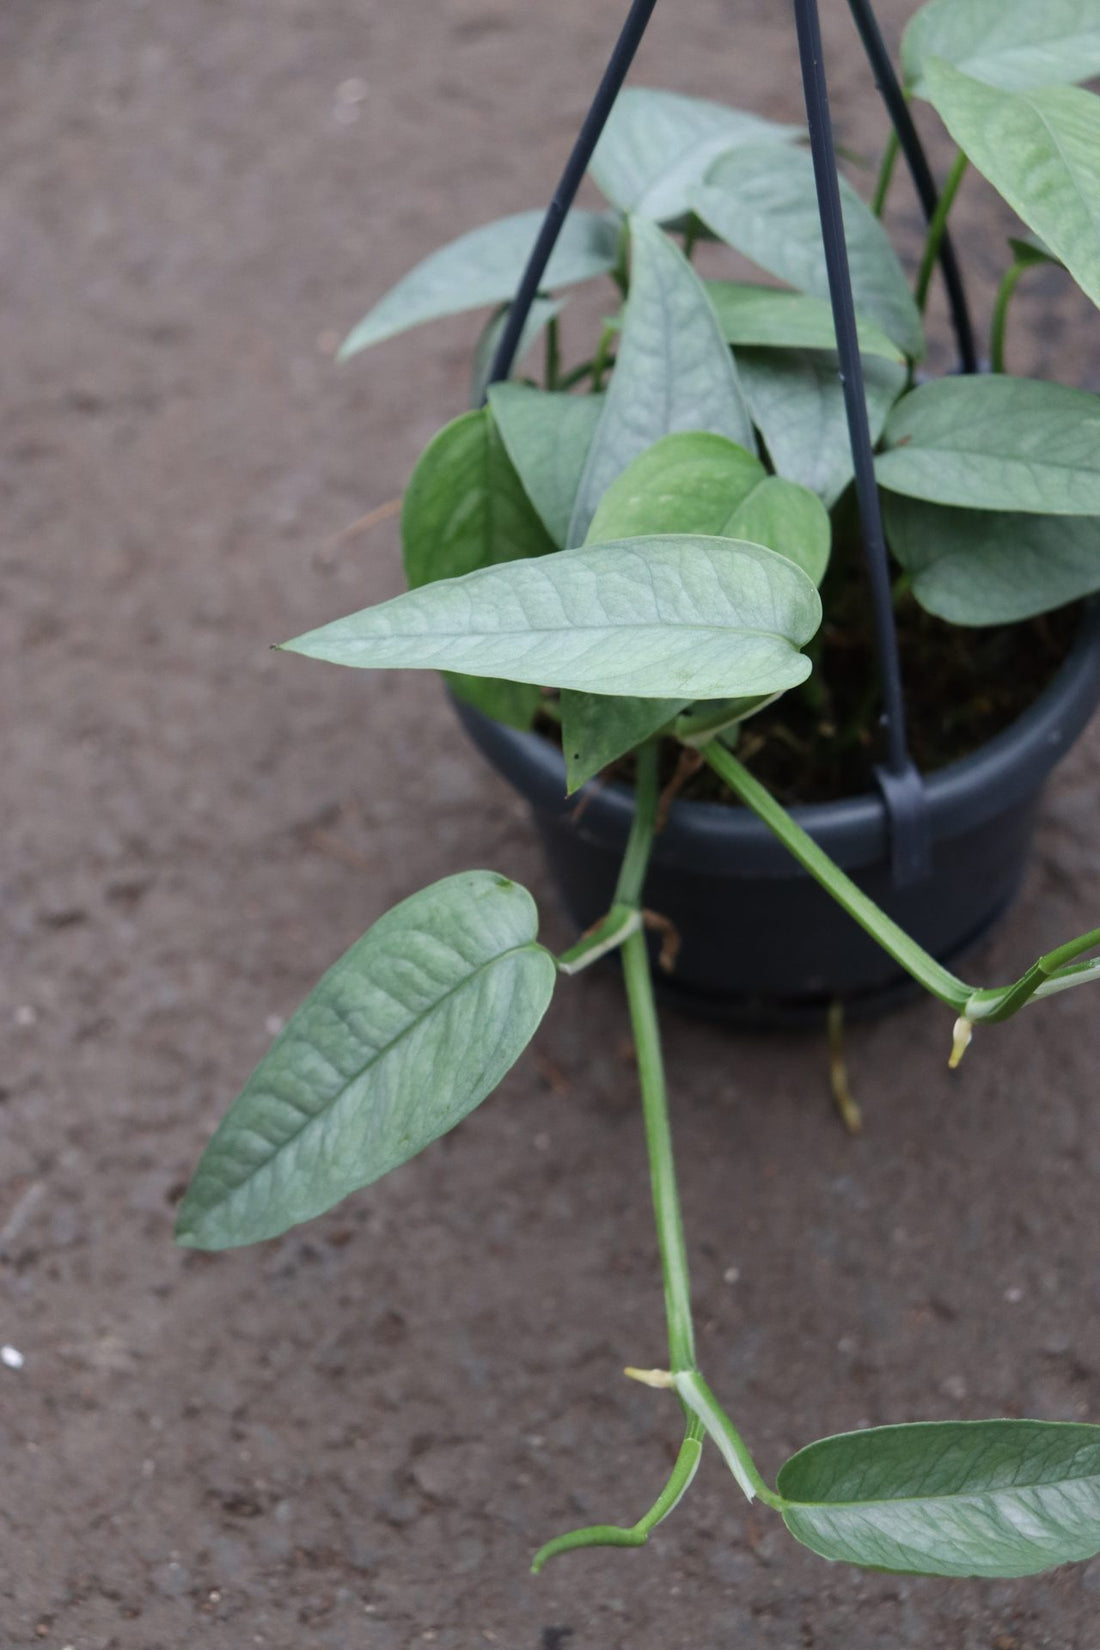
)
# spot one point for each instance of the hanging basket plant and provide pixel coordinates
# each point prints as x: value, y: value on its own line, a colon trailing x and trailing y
x: 649, y: 555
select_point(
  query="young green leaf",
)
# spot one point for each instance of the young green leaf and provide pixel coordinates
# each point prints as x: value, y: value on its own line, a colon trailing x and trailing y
x: 996, y: 443
x: 547, y: 437
x: 484, y: 267
x: 691, y: 482
x: 656, y: 145
x: 788, y: 519
x: 1039, y: 149
x: 974, y: 567
x: 699, y: 483
x: 1014, y: 44
x: 797, y: 403
x: 465, y: 508
x: 768, y: 316
x: 949, y: 1498
x: 676, y: 617
x: 762, y: 201
x: 539, y: 316
x: 401, y: 1039
x: 674, y: 370
x: 686, y: 483
x: 597, y: 729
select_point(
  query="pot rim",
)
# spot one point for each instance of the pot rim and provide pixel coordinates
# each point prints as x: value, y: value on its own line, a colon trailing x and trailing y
x: 966, y: 794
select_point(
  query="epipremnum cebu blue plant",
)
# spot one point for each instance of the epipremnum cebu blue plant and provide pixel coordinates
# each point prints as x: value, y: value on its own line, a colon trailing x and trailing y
x: 635, y: 551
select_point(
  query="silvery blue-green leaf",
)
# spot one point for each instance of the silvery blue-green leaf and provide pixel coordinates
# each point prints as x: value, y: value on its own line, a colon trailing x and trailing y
x: 412, y: 1028
x: 541, y: 313
x: 657, y: 144
x: 465, y: 508
x: 762, y: 201
x: 692, y: 482
x: 769, y: 316
x: 695, y: 482
x: 797, y: 403
x: 977, y: 567
x: 1041, y: 151
x: 674, y: 370
x: 949, y: 1498
x: 597, y: 729
x: 996, y: 443
x: 547, y: 436
x: 675, y: 617
x: 484, y: 267
x: 1014, y: 44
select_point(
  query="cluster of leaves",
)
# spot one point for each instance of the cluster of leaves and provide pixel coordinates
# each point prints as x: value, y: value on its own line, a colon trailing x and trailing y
x: 646, y: 536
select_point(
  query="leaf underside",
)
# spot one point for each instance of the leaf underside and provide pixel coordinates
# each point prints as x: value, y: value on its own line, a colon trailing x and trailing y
x: 956, y: 1498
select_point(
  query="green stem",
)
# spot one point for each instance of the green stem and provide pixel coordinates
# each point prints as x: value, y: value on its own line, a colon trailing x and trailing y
x: 894, y: 940
x: 628, y: 889
x: 662, y: 1171
x: 937, y: 225
x: 553, y: 354
x: 1000, y: 317
x: 599, y: 360
x: 1002, y: 1003
x: 614, y: 1535
x: 886, y: 173
x: 702, y: 1403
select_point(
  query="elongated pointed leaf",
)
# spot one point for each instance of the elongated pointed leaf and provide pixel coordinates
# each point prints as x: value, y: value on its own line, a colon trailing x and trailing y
x: 674, y: 370
x: 763, y: 202
x: 687, y: 483
x: 1040, y: 150
x: 674, y: 617
x: 597, y: 729
x: 797, y: 403
x: 1014, y: 44
x: 465, y: 508
x: 547, y: 437
x: 699, y: 483
x: 769, y: 316
x: 974, y: 567
x: 401, y: 1039
x: 539, y: 316
x: 657, y: 144
x: 951, y: 1498
x: 484, y: 267
x: 996, y: 443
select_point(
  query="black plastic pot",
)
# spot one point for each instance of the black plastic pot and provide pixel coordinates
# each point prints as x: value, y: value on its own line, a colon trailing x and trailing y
x: 761, y: 942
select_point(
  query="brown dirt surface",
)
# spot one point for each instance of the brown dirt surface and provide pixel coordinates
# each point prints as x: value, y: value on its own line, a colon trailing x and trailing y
x: 353, y: 1439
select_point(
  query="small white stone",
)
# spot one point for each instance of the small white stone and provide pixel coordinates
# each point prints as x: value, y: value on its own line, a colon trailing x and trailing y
x: 731, y: 1274
x: 11, y: 1357
x: 274, y: 1024
x: 26, y: 1014
x: 1014, y: 1295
